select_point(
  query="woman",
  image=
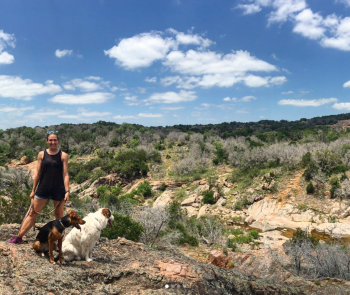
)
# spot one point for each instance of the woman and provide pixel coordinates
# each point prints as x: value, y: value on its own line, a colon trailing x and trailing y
x: 52, y: 177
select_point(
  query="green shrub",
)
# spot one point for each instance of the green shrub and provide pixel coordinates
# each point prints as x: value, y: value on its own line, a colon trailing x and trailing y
x: 231, y: 244
x: 163, y: 187
x: 310, y: 189
x: 254, y: 234
x: 306, y: 159
x: 115, y: 141
x: 30, y: 155
x: 159, y: 146
x: 131, y: 163
x: 241, y: 204
x: 133, y: 143
x: 124, y: 226
x: 340, y: 169
x: 300, y: 236
x: 145, y: 189
x: 208, y: 197
x: 81, y: 176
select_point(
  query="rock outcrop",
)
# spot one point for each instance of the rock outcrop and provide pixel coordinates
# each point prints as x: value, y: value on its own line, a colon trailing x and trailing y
x: 125, y: 267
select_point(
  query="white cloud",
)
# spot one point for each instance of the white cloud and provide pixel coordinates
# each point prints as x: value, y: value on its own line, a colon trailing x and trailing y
x: 119, y: 117
x: 211, y: 63
x: 6, y: 109
x: 148, y: 115
x: 342, y: 106
x: 132, y: 100
x: 62, y: 53
x: 141, y: 50
x: 151, y: 80
x: 16, y: 87
x: 6, y: 58
x: 82, y: 85
x: 274, y: 56
x: 93, y: 78
x: 94, y: 97
x: 249, y: 8
x: 248, y: 98
x: 288, y: 92
x: 191, y: 39
x: 346, y: 84
x: 330, y: 31
x: 172, y: 108
x: 172, y: 97
x: 307, y: 103
x: 5, y: 41
x: 309, y: 24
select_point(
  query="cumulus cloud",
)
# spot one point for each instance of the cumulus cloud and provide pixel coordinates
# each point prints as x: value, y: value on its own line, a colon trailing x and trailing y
x: 132, y: 100
x: 199, y: 67
x: 172, y: 97
x: 342, y: 106
x: 63, y: 53
x: 86, y: 114
x: 151, y: 80
x: 87, y: 98
x: 82, y: 85
x: 141, y: 50
x: 288, y: 92
x: 330, y: 31
x: 25, y: 89
x: 346, y: 84
x: 6, y: 40
x: 249, y: 8
x: 307, y: 103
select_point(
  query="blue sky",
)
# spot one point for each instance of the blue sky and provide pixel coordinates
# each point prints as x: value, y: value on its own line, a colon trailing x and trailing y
x: 160, y: 62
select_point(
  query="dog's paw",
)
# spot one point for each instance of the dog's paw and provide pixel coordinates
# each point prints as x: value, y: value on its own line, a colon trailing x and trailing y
x: 42, y: 254
x: 89, y: 260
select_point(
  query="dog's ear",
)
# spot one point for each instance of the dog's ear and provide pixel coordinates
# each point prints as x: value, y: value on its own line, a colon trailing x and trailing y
x: 106, y: 212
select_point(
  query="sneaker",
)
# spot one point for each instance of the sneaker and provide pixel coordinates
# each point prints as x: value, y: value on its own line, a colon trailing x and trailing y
x: 15, y: 240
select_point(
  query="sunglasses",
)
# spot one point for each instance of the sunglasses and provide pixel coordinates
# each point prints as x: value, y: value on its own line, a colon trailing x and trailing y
x: 52, y: 132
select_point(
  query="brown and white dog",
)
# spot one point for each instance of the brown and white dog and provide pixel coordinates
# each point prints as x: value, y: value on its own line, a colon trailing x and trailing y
x: 52, y: 232
x: 79, y: 244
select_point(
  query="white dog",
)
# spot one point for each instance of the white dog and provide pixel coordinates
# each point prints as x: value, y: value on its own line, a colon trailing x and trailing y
x: 79, y: 244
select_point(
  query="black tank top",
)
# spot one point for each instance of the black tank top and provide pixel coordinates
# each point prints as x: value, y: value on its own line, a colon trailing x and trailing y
x: 51, y: 185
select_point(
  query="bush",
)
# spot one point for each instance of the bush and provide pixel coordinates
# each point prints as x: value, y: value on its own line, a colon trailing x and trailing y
x: 30, y: 154
x: 231, y: 244
x: 163, y: 187
x: 124, y: 226
x: 310, y: 189
x: 131, y: 163
x: 306, y: 159
x: 241, y: 204
x: 115, y: 141
x: 81, y: 176
x: 340, y: 169
x: 208, y: 197
x: 145, y: 189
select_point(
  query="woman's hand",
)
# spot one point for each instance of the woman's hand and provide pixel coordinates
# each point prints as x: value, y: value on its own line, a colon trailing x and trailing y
x: 32, y: 194
x: 66, y: 197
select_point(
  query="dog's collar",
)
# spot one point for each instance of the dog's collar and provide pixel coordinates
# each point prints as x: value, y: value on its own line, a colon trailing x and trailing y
x: 61, y: 224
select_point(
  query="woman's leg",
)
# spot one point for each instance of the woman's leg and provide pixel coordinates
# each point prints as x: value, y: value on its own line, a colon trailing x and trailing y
x: 30, y: 220
x: 59, y: 209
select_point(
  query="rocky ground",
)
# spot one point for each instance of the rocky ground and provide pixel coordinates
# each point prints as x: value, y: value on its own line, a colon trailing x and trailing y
x: 125, y: 267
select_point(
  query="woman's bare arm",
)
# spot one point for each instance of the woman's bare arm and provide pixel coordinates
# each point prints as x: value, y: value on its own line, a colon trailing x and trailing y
x: 65, y: 175
x: 37, y: 174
